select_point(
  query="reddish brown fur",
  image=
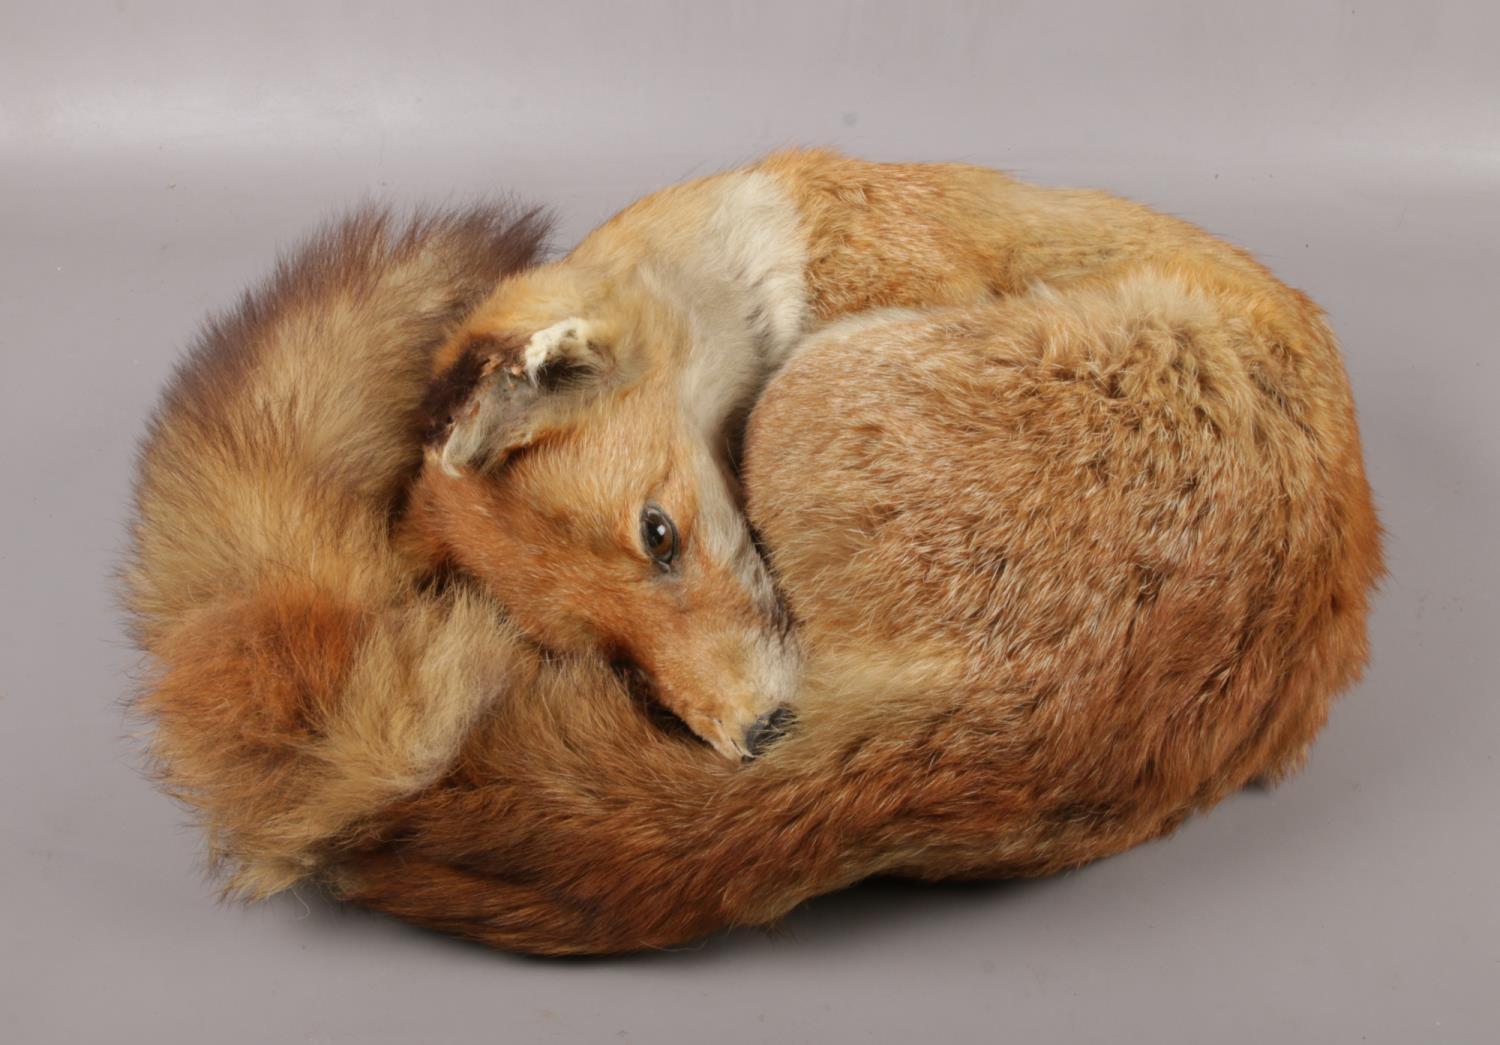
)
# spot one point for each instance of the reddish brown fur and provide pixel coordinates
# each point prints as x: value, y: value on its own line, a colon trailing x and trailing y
x: 520, y: 531
x: 551, y: 526
x: 1136, y: 686
x: 284, y: 633
x: 1072, y: 565
x: 250, y: 684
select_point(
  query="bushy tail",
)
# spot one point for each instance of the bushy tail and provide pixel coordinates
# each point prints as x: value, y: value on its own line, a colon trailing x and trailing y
x: 261, y: 579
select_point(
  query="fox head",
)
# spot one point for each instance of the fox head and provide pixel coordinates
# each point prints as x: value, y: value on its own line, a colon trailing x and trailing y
x: 564, y: 472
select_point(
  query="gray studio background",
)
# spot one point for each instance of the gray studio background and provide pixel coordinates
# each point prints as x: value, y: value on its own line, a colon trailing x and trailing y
x: 153, y: 157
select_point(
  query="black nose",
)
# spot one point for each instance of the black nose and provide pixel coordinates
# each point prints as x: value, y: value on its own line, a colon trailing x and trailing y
x: 767, y: 730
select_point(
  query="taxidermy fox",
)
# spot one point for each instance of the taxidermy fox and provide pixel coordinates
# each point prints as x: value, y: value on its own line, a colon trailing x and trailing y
x: 1064, y: 496
x: 585, y: 417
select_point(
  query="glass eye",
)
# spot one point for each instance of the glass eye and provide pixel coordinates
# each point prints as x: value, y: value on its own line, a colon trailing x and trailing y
x: 658, y: 535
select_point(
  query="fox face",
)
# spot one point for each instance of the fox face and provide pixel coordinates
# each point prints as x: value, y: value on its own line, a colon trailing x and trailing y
x: 563, y: 472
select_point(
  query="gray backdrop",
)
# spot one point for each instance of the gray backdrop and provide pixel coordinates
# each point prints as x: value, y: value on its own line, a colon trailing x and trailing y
x: 154, y: 156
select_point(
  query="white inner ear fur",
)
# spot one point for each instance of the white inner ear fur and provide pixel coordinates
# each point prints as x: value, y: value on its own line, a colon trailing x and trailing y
x: 573, y: 340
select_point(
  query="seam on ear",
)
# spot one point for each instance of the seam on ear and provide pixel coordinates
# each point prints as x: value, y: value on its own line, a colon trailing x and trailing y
x: 455, y: 385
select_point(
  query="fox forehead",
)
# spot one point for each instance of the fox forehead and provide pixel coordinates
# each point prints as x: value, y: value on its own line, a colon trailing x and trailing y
x: 598, y: 473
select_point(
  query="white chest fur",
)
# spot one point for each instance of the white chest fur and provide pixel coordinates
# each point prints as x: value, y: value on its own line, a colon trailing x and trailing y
x: 740, y: 282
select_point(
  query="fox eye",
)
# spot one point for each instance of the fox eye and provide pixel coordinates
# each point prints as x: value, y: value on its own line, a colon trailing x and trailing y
x: 658, y: 536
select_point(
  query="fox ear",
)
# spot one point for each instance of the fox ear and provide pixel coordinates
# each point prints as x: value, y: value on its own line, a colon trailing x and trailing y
x: 502, y: 393
x: 566, y: 351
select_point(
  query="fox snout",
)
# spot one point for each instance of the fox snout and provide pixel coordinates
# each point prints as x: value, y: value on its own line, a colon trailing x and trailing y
x: 739, y: 701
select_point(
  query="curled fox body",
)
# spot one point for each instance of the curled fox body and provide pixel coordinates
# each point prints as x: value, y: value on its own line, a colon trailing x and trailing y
x: 1065, y: 497
x: 589, y: 406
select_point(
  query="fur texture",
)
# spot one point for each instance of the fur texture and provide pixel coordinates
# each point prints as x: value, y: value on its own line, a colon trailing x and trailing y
x: 1065, y: 495
x: 613, y: 384
x: 302, y: 680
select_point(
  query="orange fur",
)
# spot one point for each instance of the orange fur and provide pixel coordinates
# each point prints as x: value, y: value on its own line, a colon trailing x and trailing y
x: 1076, y: 547
x: 537, y: 479
x: 554, y: 531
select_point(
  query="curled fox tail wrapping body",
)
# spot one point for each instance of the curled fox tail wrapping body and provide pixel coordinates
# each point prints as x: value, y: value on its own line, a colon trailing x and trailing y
x: 1065, y: 498
x: 301, y: 677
